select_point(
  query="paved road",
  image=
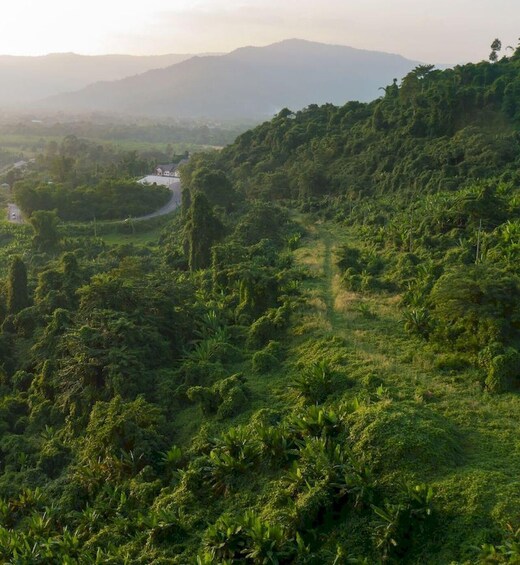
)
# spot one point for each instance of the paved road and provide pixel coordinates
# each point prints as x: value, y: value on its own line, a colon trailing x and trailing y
x: 14, y: 214
x: 170, y: 206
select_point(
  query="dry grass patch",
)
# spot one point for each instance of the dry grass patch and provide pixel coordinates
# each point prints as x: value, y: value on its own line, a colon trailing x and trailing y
x: 310, y: 324
x: 344, y: 300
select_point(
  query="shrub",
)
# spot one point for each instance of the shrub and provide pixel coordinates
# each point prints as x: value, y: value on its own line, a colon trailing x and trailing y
x: 234, y: 400
x: 315, y: 421
x: 507, y: 552
x: 504, y: 372
x: 417, y: 322
x: 26, y: 321
x: 452, y: 362
x: 22, y: 380
x: 398, y: 522
x: 403, y: 437
x: 263, y: 361
x: 351, y: 280
x: 225, y: 398
x: 474, y: 306
x: 274, y: 444
x: 349, y: 258
x: 267, y: 326
x: 267, y: 358
x: 249, y: 539
x: 200, y: 372
x: 53, y: 457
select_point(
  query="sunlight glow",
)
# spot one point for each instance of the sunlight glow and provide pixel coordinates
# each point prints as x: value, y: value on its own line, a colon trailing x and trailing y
x: 443, y: 31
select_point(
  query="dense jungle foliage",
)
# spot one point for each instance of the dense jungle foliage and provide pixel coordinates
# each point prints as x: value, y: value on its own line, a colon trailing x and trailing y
x: 315, y: 361
x: 82, y: 180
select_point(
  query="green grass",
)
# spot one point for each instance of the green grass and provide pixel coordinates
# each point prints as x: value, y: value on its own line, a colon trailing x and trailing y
x: 143, y: 238
x: 477, y: 484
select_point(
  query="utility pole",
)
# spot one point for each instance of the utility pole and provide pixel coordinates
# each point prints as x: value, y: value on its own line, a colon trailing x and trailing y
x: 129, y: 221
x: 410, y: 233
x: 478, y: 242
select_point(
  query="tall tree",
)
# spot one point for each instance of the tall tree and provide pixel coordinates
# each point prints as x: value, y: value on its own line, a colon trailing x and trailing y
x: 203, y: 229
x: 496, y: 46
x: 17, y: 295
x: 215, y: 185
x: 45, y: 226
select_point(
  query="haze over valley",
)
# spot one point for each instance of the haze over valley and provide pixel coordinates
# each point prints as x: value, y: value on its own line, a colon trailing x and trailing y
x: 250, y: 83
x: 26, y: 80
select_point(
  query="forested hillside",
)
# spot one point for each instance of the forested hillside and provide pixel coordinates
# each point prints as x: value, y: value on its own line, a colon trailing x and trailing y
x: 316, y: 361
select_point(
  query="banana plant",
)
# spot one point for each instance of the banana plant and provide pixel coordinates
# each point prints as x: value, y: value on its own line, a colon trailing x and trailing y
x: 314, y: 382
x: 417, y: 321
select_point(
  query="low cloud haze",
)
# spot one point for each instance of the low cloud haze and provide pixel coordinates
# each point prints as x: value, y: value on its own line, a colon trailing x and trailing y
x: 443, y: 31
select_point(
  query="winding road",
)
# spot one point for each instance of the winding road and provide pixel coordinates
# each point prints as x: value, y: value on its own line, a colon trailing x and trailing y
x: 14, y: 214
x: 170, y: 206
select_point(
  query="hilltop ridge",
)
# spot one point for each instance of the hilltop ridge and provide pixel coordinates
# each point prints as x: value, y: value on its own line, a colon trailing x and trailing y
x: 250, y: 83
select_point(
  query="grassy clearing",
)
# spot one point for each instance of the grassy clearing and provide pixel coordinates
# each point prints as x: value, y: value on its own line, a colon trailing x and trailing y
x: 145, y: 238
x: 477, y: 483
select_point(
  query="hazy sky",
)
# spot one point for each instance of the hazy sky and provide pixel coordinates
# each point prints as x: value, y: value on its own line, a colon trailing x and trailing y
x: 427, y: 30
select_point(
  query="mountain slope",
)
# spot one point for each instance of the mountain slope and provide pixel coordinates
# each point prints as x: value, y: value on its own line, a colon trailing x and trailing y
x: 251, y: 82
x: 26, y: 79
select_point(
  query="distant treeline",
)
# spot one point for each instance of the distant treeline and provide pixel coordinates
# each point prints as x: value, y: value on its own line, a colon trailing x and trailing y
x: 189, y: 133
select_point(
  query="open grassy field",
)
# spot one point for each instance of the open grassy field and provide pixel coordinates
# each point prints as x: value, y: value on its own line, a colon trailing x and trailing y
x: 31, y: 144
x: 440, y: 426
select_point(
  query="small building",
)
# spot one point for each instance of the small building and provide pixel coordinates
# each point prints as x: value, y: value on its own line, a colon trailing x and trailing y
x: 165, y: 170
x: 169, y: 170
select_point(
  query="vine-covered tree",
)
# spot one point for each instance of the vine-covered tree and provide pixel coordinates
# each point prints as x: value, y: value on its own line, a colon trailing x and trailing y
x: 17, y: 294
x: 45, y: 226
x: 203, y: 229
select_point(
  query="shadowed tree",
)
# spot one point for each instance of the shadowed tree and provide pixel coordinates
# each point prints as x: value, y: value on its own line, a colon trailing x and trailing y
x: 45, y: 226
x: 215, y: 185
x: 17, y: 296
x: 496, y: 46
x: 203, y: 229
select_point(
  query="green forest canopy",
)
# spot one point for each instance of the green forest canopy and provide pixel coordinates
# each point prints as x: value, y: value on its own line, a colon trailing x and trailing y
x: 317, y: 362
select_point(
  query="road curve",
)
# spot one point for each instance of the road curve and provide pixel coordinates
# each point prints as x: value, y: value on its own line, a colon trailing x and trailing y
x: 170, y: 206
x: 14, y: 214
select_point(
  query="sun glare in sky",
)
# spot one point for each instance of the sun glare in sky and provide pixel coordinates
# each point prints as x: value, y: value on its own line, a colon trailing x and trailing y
x: 440, y: 31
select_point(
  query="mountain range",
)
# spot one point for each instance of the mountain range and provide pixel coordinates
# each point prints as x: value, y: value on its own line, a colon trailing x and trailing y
x: 248, y: 83
x: 26, y: 80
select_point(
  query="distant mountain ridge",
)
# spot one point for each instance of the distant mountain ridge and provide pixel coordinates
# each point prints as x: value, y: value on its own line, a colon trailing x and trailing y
x: 250, y: 82
x: 27, y: 79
